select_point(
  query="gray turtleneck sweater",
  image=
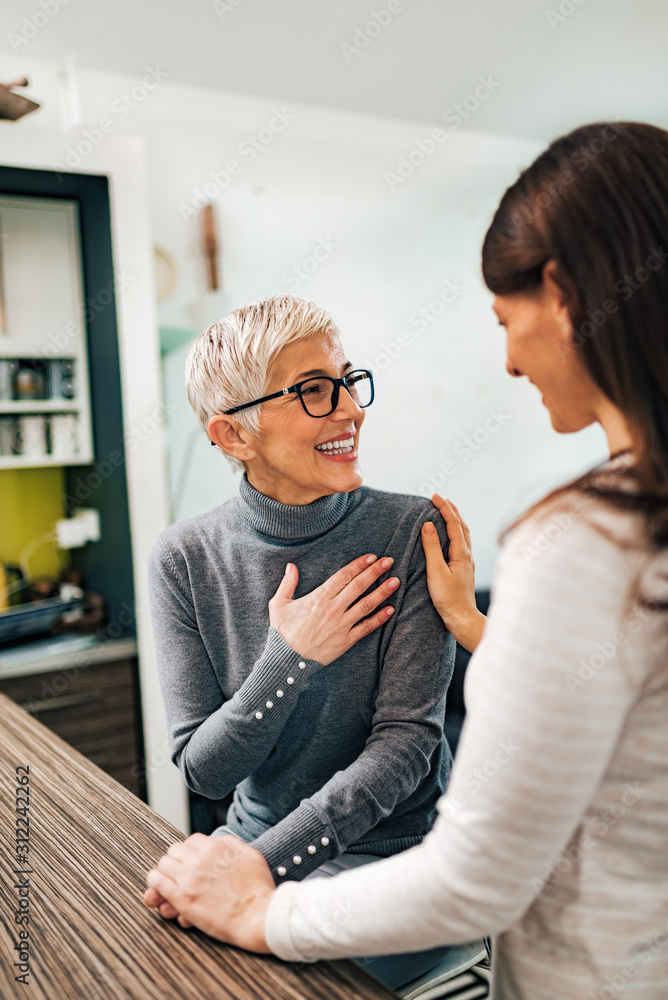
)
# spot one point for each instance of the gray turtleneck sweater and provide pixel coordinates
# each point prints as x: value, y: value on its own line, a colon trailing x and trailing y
x: 323, y: 759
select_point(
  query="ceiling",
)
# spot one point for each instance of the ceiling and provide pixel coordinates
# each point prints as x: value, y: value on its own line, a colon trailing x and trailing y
x: 550, y: 64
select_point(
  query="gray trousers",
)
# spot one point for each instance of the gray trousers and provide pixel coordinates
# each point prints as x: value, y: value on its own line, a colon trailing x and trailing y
x: 393, y: 970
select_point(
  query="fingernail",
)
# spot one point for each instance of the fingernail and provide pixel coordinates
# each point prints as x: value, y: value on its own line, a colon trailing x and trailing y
x: 394, y: 582
x: 386, y: 562
x: 370, y: 559
x: 428, y: 528
x: 288, y: 567
x: 389, y: 612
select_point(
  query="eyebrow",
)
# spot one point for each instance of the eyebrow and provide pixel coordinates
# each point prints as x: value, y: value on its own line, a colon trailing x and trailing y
x: 321, y: 371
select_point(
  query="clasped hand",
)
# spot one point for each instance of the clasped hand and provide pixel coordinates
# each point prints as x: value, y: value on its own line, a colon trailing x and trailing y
x: 220, y: 884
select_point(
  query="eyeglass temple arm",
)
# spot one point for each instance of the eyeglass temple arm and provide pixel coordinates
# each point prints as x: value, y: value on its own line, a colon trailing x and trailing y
x: 274, y: 395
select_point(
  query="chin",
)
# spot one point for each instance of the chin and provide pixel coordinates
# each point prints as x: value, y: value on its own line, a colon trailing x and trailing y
x: 348, y: 480
x: 563, y: 427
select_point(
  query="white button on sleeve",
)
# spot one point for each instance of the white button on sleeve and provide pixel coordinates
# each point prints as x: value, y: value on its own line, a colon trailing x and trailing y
x: 270, y: 704
x: 258, y: 715
x: 291, y: 680
x: 311, y: 848
x: 324, y: 841
x: 281, y: 870
x: 297, y: 859
x: 279, y: 693
x: 302, y: 665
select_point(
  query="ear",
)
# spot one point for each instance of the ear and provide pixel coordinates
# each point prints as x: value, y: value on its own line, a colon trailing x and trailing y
x: 234, y: 440
x: 555, y: 297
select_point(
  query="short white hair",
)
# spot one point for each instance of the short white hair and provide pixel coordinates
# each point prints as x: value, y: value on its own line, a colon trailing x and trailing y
x: 230, y: 363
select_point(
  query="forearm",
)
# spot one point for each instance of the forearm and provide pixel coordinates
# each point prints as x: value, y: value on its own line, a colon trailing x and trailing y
x: 224, y: 748
x: 398, y: 904
x: 467, y: 629
x: 350, y: 804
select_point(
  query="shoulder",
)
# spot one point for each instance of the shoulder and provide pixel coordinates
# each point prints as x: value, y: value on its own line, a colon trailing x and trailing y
x: 576, y: 537
x: 398, y: 506
x: 403, y: 514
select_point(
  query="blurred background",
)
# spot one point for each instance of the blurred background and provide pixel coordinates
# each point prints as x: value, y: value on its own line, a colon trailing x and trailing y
x: 181, y: 159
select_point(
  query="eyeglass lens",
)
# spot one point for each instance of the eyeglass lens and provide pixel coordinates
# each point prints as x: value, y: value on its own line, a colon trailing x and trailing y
x: 318, y: 393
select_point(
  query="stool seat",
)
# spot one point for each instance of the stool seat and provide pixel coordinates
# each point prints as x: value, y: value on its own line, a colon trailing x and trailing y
x: 459, y: 958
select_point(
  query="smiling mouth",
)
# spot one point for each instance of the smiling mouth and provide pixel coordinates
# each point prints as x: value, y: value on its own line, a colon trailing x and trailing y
x: 342, y: 446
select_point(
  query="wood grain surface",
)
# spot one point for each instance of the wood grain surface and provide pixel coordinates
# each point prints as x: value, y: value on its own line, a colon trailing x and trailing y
x: 94, y: 707
x: 91, y: 844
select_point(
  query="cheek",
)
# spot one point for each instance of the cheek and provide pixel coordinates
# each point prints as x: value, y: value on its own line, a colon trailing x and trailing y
x: 532, y: 352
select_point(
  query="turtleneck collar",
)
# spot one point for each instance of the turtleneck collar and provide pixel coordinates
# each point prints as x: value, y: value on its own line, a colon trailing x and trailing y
x: 288, y: 522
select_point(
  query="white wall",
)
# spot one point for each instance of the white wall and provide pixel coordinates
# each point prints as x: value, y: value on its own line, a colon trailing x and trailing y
x: 322, y: 176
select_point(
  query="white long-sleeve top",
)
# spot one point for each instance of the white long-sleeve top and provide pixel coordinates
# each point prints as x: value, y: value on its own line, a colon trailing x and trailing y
x: 553, y: 833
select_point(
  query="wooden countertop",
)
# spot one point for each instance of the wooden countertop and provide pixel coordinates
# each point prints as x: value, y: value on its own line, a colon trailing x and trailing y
x: 90, y: 936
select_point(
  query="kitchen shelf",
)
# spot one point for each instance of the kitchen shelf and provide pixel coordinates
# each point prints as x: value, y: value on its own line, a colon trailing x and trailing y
x: 9, y: 406
x: 41, y: 277
x: 40, y: 461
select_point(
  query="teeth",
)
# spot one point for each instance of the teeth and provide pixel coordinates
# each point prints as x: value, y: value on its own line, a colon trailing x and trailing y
x: 338, y: 447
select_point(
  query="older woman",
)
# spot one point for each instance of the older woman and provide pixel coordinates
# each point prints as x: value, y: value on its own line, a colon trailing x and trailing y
x: 323, y: 713
x: 552, y: 833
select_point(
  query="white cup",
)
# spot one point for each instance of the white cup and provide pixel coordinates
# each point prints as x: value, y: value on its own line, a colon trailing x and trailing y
x: 64, y: 435
x: 32, y: 436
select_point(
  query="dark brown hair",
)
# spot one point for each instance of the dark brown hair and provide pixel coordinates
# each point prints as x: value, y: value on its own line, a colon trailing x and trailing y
x: 596, y: 202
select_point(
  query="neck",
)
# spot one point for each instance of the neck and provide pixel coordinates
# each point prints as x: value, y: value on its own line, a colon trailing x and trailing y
x: 616, y: 428
x: 277, y: 488
x: 291, y: 522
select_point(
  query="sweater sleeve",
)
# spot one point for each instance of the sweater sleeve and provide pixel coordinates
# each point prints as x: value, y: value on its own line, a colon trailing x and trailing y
x: 216, y: 743
x: 405, y: 731
x: 534, y: 750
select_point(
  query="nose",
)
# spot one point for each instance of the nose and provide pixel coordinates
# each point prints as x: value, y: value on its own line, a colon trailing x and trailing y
x: 346, y: 408
x: 512, y: 371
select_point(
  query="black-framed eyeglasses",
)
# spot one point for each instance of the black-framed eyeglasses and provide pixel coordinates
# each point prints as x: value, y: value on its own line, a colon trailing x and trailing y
x: 320, y: 396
